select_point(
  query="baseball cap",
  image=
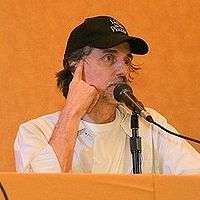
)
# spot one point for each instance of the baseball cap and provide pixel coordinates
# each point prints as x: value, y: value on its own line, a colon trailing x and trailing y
x: 103, y: 32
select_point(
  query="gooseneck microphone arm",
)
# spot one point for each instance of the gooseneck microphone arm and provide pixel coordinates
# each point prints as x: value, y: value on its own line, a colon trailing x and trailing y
x: 123, y: 93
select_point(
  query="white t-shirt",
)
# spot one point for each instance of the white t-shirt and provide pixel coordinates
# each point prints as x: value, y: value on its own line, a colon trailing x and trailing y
x: 105, y: 148
x: 107, y: 151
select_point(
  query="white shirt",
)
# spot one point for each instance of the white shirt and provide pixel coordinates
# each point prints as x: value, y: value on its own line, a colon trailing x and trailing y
x: 105, y: 148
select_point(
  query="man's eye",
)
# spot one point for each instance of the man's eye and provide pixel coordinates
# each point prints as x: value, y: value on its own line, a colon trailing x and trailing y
x: 109, y: 58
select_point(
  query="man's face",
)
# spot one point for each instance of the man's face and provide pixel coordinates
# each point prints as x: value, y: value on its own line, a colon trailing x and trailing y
x: 105, y: 68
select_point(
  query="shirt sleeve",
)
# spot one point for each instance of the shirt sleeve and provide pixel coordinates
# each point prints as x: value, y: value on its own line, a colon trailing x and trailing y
x: 178, y: 156
x: 32, y: 151
x: 174, y: 155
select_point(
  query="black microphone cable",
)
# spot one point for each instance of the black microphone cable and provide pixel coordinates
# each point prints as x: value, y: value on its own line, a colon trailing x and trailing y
x: 176, y: 134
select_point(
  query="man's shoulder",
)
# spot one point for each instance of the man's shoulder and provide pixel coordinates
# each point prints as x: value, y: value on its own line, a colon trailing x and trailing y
x: 39, y: 129
x: 156, y: 115
x: 48, y: 118
x: 42, y: 125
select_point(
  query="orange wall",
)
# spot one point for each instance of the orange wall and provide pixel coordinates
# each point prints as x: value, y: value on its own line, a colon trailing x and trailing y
x: 32, y: 41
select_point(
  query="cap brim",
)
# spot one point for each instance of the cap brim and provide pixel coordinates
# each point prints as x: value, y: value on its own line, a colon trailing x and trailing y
x: 137, y: 45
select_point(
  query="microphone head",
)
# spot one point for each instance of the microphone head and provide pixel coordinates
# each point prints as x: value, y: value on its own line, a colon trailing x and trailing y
x: 119, y: 90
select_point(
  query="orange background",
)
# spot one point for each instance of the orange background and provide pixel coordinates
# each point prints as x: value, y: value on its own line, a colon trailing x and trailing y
x: 32, y: 40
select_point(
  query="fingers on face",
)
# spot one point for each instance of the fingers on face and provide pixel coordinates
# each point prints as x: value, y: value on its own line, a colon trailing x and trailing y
x: 78, y: 74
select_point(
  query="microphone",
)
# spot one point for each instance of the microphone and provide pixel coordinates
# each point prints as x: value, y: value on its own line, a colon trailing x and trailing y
x: 123, y: 93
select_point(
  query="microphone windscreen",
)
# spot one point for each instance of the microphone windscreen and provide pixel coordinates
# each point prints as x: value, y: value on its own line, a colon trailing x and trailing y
x: 119, y: 89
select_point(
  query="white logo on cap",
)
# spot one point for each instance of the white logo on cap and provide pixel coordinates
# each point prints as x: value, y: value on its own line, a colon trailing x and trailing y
x: 117, y: 26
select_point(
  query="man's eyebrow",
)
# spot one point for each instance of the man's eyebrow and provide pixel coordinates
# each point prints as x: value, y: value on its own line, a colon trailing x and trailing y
x: 129, y: 55
x: 109, y: 51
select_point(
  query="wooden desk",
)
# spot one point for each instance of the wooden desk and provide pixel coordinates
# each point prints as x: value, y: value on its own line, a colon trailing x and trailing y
x: 95, y: 187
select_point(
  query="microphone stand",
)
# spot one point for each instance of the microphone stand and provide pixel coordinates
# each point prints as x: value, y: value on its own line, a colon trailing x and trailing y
x: 135, y: 144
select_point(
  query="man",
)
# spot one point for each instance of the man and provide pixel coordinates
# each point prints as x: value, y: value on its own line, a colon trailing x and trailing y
x: 91, y: 134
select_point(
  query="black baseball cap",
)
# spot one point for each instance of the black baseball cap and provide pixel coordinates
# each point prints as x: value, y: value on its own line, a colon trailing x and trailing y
x: 103, y: 32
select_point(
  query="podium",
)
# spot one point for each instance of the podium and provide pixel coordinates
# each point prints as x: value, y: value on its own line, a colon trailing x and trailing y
x: 99, y: 187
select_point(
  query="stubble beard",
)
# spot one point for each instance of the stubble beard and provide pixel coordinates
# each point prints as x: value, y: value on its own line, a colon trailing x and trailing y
x: 107, y: 94
x: 106, y: 97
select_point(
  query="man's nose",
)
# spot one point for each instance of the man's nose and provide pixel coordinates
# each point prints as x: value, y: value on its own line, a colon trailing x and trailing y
x: 121, y: 68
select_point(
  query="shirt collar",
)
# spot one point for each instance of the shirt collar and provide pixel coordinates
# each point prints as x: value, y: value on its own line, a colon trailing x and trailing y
x: 125, y: 114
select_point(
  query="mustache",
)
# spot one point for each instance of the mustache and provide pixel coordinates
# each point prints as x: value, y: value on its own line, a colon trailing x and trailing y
x: 117, y: 80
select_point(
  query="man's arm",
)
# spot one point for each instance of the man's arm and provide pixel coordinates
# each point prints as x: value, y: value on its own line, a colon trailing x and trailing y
x: 64, y: 138
x: 80, y: 100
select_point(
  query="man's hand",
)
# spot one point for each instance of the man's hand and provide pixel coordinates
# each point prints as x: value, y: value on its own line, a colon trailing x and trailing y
x: 81, y: 97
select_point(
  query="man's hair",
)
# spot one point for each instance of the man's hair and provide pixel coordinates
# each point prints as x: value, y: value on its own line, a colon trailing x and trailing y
x: 65, y: 76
